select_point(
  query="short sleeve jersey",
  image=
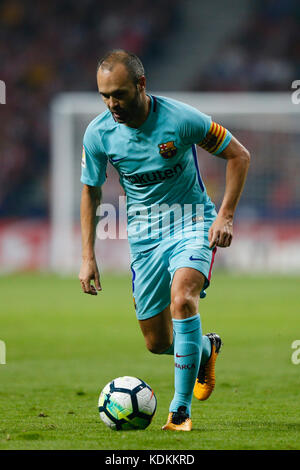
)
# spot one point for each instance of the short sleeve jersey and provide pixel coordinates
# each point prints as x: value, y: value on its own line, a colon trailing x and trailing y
x: 157, y: 162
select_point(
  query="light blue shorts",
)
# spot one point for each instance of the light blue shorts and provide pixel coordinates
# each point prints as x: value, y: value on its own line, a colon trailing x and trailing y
x: 153, y: 271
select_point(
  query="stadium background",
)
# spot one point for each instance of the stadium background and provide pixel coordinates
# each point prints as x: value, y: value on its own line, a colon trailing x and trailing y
x: 53, y: 47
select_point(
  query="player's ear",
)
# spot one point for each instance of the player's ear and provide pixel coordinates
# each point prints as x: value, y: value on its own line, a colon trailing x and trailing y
x: 142, y: 83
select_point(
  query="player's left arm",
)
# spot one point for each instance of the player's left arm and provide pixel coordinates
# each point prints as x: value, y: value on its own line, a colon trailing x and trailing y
x: 238, y: 159
x: 194, y: 126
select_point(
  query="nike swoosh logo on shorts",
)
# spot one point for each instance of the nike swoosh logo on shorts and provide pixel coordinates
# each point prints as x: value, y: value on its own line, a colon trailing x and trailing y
x: 196, y: 259
x: 117, y: 159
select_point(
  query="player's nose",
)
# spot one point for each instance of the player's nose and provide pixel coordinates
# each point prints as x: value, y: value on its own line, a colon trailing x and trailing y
x: 113, y: 103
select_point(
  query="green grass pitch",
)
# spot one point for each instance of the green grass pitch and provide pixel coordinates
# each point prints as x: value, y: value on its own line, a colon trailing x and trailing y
x: 64, y: 346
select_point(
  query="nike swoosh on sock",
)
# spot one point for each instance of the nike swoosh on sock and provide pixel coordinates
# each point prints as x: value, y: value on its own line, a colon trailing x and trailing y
x: 184, y: 355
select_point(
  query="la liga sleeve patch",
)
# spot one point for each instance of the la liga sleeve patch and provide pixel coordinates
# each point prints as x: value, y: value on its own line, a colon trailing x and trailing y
x: 83, y: 158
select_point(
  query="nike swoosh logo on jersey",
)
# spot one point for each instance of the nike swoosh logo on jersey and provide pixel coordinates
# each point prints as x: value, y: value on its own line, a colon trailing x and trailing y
x: 196, y: 259
x: 116, y: 159
x: 184, y: 355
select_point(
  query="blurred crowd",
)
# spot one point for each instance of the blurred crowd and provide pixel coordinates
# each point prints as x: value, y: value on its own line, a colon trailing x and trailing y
x: 263, y: 56
x: 51, y: 46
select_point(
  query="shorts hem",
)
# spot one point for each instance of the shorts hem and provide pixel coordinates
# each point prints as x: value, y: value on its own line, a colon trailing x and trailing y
x: 193, y: 267
x: 153, y: 313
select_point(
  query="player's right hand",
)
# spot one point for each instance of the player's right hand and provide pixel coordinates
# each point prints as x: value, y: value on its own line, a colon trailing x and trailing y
x: 89, y: 272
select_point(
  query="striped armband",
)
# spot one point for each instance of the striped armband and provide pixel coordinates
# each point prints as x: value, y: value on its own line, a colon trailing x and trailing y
x: 214, y: 138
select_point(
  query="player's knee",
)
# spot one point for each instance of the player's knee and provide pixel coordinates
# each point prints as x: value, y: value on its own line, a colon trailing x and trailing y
x: 183, y: 305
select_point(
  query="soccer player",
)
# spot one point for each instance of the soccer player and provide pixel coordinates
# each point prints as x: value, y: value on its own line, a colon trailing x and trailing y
x: 151, y: 141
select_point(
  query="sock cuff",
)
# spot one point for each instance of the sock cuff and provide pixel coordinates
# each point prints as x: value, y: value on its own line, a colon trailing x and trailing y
x: 186, y: 325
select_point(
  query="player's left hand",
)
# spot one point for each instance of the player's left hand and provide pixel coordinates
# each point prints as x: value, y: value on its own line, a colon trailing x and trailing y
x: 221, y: 232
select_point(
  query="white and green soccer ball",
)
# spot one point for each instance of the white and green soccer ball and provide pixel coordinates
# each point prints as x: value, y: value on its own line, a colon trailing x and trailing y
x: 127, y: 403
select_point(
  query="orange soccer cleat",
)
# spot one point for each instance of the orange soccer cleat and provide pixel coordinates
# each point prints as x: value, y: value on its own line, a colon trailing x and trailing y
x: 206, y: 379
x: 178, y: 421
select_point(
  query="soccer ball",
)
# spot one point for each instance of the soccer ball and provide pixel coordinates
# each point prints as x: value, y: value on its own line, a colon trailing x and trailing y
x: 127, y: 403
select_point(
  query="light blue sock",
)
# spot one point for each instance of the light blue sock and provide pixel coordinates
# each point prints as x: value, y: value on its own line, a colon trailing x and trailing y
x: 206, y: 350
x: 187, y: 356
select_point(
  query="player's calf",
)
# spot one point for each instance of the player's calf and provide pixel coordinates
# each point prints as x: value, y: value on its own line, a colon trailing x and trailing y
x: 159, y: 346
x: 158, y: 332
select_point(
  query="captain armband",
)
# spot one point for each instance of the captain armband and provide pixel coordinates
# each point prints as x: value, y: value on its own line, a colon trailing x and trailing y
x: 214, y: 138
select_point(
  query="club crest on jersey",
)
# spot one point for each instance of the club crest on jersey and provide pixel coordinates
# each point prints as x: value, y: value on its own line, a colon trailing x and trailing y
x: 168, y: 149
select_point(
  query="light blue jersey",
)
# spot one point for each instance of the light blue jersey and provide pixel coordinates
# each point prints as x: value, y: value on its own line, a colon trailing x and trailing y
x: 157, y: 163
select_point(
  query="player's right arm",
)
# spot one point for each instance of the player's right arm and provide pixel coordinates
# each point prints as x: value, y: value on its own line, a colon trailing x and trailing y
x: 90, y: 200
x: 93, y: 175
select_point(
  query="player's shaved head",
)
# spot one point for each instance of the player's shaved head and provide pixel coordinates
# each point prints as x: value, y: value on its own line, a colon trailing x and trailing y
x: 122, y: 83
x: 130, y: 61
